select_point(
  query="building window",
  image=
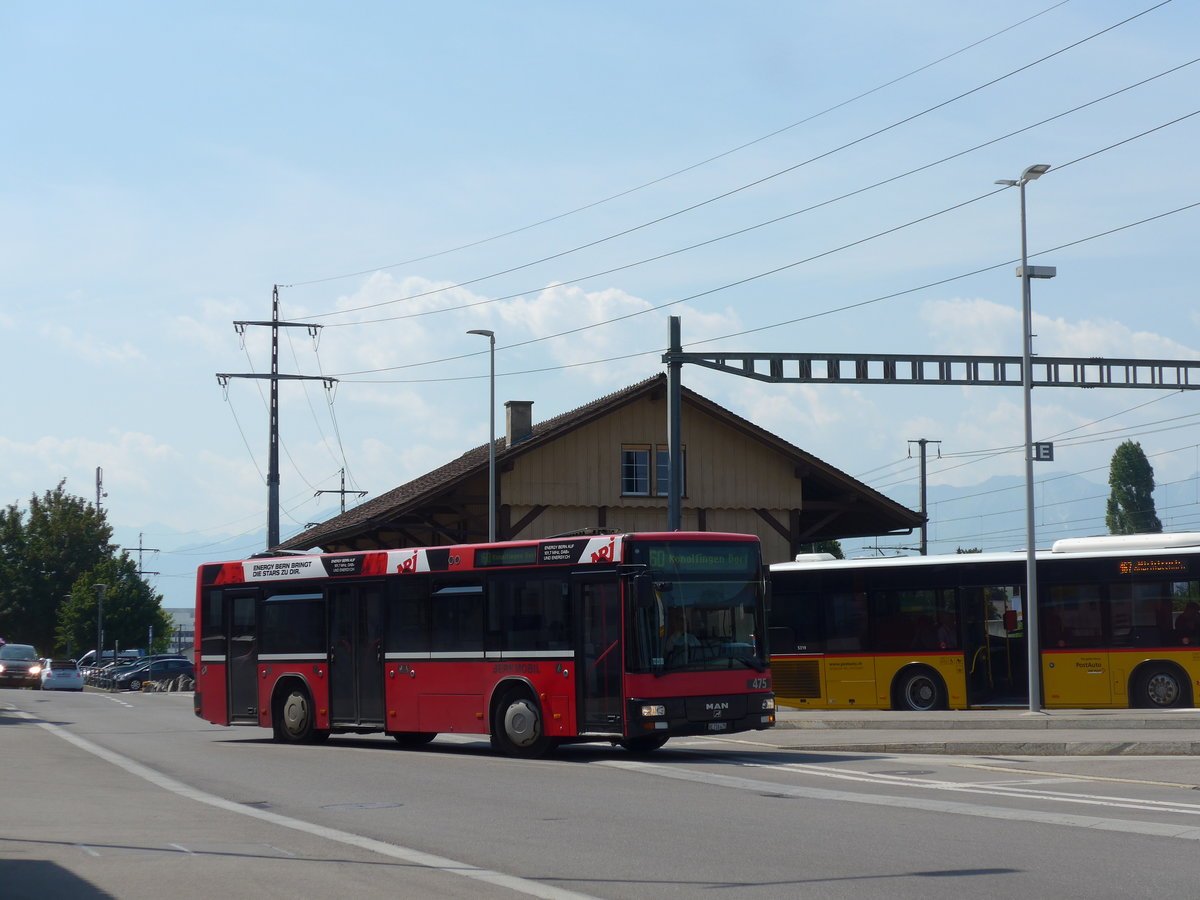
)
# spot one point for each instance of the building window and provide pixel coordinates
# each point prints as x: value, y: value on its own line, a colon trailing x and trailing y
x: 662, y: 470
x: 639, y: 479
x: 635, y: 470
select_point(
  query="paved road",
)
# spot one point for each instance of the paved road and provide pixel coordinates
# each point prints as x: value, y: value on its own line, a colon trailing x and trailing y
x: 83, y: 820
x: 86, y: 825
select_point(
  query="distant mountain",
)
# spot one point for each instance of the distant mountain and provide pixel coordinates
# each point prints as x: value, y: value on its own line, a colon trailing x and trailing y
x: 991, y: 515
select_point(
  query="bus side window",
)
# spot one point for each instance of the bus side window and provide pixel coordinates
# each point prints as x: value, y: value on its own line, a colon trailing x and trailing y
x: 457, y: 618
x: 529, y: 613
x: 212, y: 634
x: 293, y: 623
x: 408, y: 619
x: 797, y: 621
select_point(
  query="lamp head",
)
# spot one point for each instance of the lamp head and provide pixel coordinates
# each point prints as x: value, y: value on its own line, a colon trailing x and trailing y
x: 483, y: 331
x: 1033, y: 173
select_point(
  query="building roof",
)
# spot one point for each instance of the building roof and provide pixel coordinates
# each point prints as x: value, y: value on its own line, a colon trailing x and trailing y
x: 835, y: 504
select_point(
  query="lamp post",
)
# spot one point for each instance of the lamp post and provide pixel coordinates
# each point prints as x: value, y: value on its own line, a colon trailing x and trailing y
x: 491, y: 502
x: 100, y: 589
x: 1025, y: 273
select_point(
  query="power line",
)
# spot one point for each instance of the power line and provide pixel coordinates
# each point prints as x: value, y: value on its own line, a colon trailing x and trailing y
x: 805, y: 318
x: 741, y: 231
x: 691, y: 167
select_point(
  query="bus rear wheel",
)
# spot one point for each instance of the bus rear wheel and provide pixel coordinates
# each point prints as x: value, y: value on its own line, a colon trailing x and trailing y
x: 919, y: 690
x: 1159, y: 687
x: 517, y: 726
x: 294, y: 721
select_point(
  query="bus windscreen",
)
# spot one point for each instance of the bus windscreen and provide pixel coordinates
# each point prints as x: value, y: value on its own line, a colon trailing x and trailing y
x: 697, y: 607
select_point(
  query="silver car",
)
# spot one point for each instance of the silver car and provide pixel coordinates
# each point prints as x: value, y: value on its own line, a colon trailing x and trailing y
x: 61, y: 675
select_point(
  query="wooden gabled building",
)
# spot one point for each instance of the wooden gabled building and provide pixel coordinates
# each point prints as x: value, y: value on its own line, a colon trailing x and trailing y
x: 603, y: 466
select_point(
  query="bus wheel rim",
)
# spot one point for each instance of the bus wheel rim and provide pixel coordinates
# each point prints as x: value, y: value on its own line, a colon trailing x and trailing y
x: 920, y: 692
x: 521, y: 723
x: 295, y: 713
x: 1162, y: 689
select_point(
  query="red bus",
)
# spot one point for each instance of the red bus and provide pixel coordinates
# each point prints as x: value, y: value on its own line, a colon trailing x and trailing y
x: 630, y: 639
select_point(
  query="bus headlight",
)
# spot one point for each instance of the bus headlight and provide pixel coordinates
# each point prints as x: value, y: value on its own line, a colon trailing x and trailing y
x: 653, y: 711
x: 768, y: 703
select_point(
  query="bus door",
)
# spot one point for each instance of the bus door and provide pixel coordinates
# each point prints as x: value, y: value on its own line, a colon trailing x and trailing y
x: 600, y: 655
x: 243, y: 657
x: 996, y: 660
x: 356, y: 656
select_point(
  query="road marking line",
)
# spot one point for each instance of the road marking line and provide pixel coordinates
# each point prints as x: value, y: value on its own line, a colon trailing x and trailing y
x: 394, y: 851
x: 1095, y: 823
x: 1108, y: 778
x: 997, y: 790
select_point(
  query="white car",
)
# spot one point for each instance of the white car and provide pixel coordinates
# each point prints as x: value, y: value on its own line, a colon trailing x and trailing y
x: 61, y: 675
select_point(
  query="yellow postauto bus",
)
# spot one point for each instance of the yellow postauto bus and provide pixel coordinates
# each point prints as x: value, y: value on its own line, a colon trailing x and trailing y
x: 1118, y: 625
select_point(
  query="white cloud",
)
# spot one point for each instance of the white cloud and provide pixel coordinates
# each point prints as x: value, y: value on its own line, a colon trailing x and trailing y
x: 89, y: 347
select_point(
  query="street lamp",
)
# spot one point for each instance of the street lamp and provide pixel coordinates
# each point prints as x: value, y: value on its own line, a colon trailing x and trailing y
x: 1025, y: 273
x: 100, y: 589
x: 491, y: 503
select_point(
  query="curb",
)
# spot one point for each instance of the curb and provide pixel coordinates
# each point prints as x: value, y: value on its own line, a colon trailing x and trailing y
x: 1014, y: 748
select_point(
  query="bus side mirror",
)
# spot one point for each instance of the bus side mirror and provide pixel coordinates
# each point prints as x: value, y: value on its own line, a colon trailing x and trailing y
x: 1010, y: 620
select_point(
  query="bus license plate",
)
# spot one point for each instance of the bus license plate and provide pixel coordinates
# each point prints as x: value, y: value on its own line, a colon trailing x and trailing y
x: 718, y: 726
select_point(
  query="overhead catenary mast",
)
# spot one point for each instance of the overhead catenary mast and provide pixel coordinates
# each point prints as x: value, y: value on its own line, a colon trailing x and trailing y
x: 275, y: 378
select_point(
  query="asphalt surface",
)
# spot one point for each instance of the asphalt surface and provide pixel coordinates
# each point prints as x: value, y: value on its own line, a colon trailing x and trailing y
x: 1093, y: 732
x: 56, y: 846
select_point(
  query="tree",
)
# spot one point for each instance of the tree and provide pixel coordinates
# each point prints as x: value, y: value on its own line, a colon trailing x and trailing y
x: 1131, y: 504
x: 834, y: 548
x: 43, y: 552
x: 131, y: 609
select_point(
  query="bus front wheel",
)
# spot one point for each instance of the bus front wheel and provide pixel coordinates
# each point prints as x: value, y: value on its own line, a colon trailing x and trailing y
x: 1159, y: 687
x: 517, y: 726
x: 919, y: 690
x: 644, y: 743
x: 294, y: 720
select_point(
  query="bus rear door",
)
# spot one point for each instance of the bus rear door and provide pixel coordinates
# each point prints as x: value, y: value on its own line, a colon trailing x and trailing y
x: 356, y: 656
x: 243, y: 657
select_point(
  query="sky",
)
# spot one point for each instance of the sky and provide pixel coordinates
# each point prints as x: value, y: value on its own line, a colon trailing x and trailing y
x: 784, y: 177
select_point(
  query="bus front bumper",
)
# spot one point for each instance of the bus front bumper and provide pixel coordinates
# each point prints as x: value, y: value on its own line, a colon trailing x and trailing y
x: 719, y: 714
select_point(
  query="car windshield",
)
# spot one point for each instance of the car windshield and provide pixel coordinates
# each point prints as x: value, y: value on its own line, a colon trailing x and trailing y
x: 17, y: 651
x: 62, y: 664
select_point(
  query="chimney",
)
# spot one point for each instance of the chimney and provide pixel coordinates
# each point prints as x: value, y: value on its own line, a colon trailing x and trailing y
x: 519, y: 421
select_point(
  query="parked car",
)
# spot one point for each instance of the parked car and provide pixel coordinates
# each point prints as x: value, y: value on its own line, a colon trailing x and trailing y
x: 61, y: 675
x: 88, y: 660
x: 20, y: 666
x: 124, y: 665
x: 131, y: 678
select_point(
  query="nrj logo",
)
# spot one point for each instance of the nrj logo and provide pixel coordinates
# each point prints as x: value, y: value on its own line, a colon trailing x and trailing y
x: 409, y: 565
x: 605, y: 553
